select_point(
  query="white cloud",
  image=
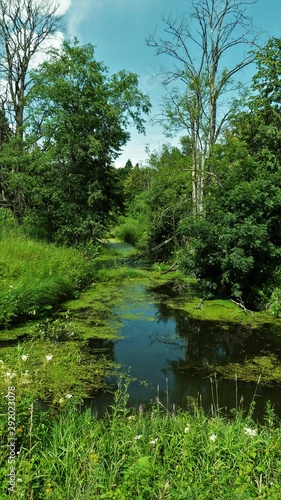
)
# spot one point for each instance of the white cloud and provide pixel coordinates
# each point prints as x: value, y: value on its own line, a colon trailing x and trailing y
x: 40, y: 56
x: 63, y: 6
x: 81, y: 10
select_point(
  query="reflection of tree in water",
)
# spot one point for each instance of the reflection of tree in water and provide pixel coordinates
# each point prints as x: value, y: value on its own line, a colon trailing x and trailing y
x: 206, y: 342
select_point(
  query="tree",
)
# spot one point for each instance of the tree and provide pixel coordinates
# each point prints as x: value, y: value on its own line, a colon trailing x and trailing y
x: 79, y: 116
x: 169, y: 196
x: 236, y: 248
x: 25, y: 28
x: 198, y: 45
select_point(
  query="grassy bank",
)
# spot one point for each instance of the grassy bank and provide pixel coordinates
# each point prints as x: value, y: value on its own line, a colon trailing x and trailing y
x: 35, y: 276
x: 146, y: 455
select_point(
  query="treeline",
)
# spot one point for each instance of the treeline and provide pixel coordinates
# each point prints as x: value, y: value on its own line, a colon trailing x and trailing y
x: 62, y: 125
x: 233, y: 245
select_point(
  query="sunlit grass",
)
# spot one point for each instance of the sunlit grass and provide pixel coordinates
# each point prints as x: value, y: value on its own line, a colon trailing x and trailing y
x: 34, y: 276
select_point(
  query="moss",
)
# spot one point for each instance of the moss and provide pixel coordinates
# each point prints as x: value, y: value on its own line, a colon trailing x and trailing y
x: 182, y: 294
x: 266, y: 369
x: 71, y: 369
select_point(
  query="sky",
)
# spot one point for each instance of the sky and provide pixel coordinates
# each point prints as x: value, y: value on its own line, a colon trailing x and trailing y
x: 119, y: 28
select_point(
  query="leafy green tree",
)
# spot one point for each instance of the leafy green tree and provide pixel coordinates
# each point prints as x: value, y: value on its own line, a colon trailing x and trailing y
x: 170, y: 196
x: 236, y: 248
x: 79, y: 116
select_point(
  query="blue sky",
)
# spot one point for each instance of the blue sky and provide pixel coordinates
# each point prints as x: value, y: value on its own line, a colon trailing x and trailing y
x: 119, y: 28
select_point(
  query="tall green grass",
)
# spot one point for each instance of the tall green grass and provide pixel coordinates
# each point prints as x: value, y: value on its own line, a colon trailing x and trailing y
x: 34, y: 276
x: 147, y: 455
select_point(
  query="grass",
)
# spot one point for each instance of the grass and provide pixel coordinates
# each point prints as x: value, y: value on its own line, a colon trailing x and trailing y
x: 147, y: 455
x: 35, y: 276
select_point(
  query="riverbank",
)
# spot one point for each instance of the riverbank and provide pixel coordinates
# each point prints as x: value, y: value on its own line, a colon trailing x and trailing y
x: 81, y: 336
x: 139, y: 454
x: 36, y: 276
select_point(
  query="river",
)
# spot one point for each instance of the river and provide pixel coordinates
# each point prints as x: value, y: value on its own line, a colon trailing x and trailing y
x: 171, y: 355
x: 168, y: 353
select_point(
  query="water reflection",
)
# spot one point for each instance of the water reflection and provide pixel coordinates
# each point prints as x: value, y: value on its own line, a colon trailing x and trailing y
x: 177, y: 353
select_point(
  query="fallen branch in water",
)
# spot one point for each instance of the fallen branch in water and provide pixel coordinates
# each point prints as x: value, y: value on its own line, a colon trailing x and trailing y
x: 173, y: 267
x: 242, y: 306
x: 150, y: 250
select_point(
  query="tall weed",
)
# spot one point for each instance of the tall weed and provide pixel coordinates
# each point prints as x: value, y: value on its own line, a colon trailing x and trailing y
x: 34, y: 276
x: 148, y: 455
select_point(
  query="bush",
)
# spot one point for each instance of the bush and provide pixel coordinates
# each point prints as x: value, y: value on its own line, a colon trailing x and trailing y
x: 131, y: 231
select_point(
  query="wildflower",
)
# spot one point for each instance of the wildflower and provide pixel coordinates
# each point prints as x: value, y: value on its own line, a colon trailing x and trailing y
x: 213, y: 437
x: 1, y: 362
x: 250, y: 432
x: 25, y: 379
x: 68, y: 396
x: 140, y: 408
x: 138, y: 436
x: 49, y: 489
x: 153, y: 441
x: 24, y: 357
x: 94, y: 457
x: 49, y: 357
x: 61, y: 401
x: 9, y: 375
x: 186, y: 430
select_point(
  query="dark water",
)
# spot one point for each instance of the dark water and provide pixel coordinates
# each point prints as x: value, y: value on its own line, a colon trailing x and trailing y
x: 173, y: 354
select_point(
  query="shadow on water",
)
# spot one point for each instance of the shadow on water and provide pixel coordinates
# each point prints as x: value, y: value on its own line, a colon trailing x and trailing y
x: 174, y: 355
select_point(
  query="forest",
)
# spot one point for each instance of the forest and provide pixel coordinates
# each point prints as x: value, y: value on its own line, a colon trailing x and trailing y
x: 215, y: 199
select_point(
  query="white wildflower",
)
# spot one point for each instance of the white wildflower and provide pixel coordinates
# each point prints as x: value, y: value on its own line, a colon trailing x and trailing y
x: 8, y: 376
x: 153, y: 441
x: 213, y: 437
x: 187, y: 429
x: 250, y: 432
x: 138, y: 436
x: 24, y: 357
x: 68, y: 396
x: 61, y: 401
x: 49, y: 357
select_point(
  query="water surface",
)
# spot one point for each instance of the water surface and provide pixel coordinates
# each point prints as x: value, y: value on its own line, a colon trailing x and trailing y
x: 174, y: 355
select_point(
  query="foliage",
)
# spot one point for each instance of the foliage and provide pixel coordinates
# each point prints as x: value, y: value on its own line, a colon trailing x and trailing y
x: 275, y: 302
x: 133, y: 226
x: 235, y: 249
x: 129, y: 230
x: 159, y: 195
x: 130, y: 454
x: 35, y: 276
x: 169, y: 198
x: 26, y: 27
x: 79, y: 117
